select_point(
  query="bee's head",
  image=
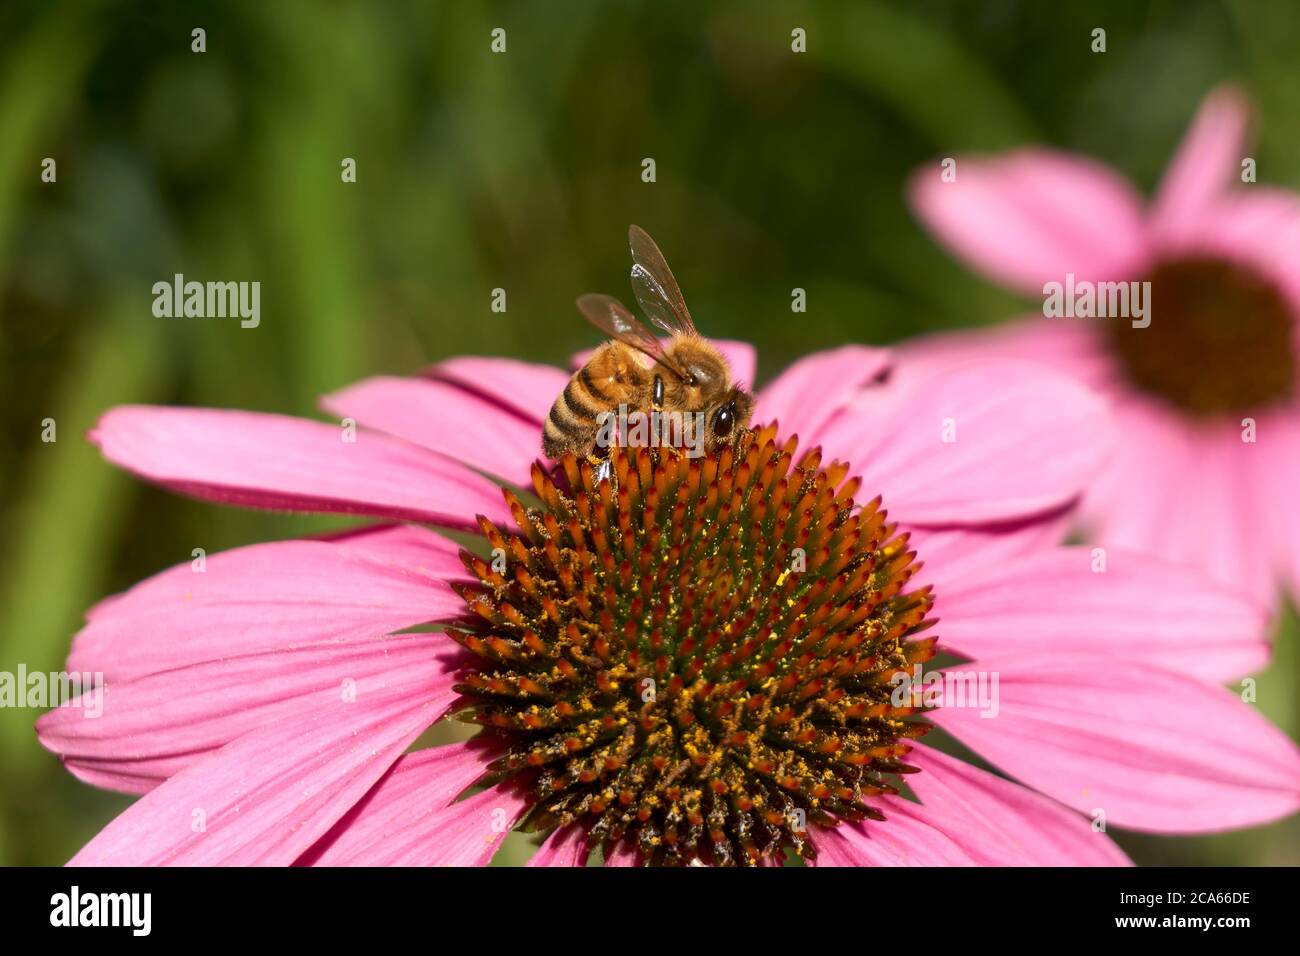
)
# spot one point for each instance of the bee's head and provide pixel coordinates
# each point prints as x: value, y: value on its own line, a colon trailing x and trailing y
x: 729, y: 416
x: 704, y: 387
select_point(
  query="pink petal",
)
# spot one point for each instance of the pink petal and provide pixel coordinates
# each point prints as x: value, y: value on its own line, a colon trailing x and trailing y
x: 951, y: 554
x: 447, y: 419
x: 740, y: 356
x: 623, y: 854
x: 566, y: 846
x: 272, y: 596
x: 1273, y: 475
x: 404, y: 547
x: 1167, y: 482
x: 468, y: 833
x: 273, y: 461
x: 1154, y: 750
x: 814, y: 389
x: 148, y: 731
x: 524, y: 388
x: 1067, y: 346
x: 904, y: 839
x: 999, y: 823
x: 265, y: 798
x: 1150, y: 450
x: 1208, y: 159
x: 1032, y: 216
x: 410, y: 817
x: 1139, y: 608
x: 1219, y: 489
x: 1254, y: 220
x: 1026, y: 442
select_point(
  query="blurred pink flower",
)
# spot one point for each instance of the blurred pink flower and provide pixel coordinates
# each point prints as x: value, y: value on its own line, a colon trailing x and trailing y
x: 1206, y: 405
x: 224, y: 709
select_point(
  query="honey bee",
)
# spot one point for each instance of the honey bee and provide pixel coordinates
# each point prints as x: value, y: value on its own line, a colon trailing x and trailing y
x: 682, y: 388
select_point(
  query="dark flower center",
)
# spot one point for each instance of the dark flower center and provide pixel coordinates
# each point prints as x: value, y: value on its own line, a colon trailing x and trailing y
x: 695, y: 656
x: 1220, y: 339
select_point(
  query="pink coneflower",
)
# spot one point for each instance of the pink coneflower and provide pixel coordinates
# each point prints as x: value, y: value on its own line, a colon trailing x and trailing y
x: 695, y: 661
x: 1205, y: 397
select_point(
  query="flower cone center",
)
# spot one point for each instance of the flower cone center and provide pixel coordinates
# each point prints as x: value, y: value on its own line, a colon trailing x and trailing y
x: 1220, y: 339
x: 695, y: 655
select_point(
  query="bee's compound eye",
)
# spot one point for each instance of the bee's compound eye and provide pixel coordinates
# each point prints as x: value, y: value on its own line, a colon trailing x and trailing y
x: 723, y: 419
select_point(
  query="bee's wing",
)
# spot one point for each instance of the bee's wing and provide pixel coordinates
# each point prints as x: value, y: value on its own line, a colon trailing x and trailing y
x: 610, y: 316
x: 655, y: 287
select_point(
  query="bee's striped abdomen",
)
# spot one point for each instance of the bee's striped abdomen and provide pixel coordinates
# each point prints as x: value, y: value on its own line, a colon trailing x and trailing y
x: 573, y: 418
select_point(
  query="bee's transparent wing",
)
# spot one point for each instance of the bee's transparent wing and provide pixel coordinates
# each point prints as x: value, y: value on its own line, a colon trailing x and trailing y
x: 610, y: 316
x: 654, y: 286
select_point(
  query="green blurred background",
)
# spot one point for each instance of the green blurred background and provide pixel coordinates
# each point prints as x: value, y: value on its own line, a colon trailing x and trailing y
x: 520, y: 171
